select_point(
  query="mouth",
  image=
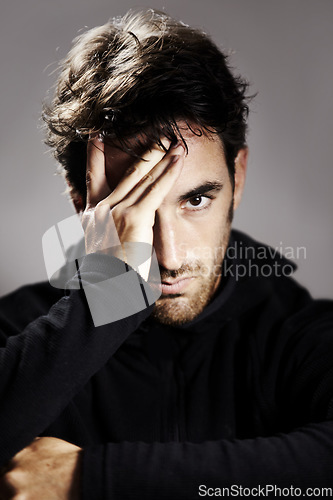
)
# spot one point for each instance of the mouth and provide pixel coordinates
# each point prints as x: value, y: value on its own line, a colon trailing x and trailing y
x: 170, y: 287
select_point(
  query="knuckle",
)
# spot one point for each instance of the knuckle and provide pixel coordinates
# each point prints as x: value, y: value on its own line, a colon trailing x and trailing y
x: 101, y: 209
x: 116, y: 212
x: 87, y: 213
x: 12, y: 476
x: 88, y: 177
x: 22, y: 496
x: 99, y: 205
x: 86, y: 217
x: 148, y: 177
x: 152, y: 188
x: 89, y: 208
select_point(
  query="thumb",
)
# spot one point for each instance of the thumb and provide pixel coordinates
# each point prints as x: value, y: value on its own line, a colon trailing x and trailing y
x: 97, y: 186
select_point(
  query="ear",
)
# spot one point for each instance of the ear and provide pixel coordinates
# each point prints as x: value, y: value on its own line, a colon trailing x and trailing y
x: 240, y: 174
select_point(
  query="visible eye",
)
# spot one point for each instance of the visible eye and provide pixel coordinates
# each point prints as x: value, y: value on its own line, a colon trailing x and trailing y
x: 197, y: 202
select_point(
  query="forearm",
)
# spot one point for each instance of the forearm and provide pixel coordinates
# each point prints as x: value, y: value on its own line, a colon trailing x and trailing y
x: 44, y: 366
x: 176, y: 470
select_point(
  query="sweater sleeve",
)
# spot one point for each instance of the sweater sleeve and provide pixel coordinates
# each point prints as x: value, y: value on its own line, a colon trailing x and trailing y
x: 301, y: 358
x: 143, y: 471
x: 46, y: 364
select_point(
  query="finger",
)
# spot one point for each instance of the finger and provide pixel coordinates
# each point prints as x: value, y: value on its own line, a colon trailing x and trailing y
x: 143, y: 174
x: 134, y: 174
x: 97, y: 186
x: 155, y: 192
x: 156, y: 175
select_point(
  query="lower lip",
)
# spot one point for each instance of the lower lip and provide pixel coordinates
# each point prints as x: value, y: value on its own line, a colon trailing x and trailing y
x: 176, y: 287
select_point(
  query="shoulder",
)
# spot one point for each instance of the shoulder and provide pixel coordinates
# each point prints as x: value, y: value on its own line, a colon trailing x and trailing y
x: 268, y: 290
x: 288, y: 332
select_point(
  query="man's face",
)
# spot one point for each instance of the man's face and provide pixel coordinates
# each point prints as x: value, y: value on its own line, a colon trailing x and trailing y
x: 192, y: 229
x: 191, y: 232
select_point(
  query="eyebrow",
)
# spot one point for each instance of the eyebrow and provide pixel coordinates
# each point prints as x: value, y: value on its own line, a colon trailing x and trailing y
x: 202, y: 189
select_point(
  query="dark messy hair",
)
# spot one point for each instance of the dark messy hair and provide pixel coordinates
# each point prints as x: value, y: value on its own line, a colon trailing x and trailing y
x: 143, y: 72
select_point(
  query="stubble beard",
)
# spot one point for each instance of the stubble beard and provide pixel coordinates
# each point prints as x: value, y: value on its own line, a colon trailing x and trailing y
x: 182, y: 308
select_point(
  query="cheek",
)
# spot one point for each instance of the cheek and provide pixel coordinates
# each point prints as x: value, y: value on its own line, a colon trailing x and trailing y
x: 207, y: 237
x: 208, y: 243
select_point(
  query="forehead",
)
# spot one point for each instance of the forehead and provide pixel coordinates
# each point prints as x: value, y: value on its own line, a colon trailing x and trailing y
x: 205, y: 161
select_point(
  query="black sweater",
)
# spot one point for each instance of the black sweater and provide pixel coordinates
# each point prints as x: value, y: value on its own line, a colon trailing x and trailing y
x: 242, y: 395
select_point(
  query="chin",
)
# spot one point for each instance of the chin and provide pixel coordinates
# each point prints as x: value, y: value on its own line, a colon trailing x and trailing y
x: 173, y: 314
x: 179, y: 310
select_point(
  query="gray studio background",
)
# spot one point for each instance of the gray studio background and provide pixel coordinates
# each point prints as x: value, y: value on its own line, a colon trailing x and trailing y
x: 284, y: 47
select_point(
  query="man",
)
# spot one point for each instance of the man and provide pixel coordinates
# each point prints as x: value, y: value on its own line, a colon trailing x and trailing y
x: 226, y: 382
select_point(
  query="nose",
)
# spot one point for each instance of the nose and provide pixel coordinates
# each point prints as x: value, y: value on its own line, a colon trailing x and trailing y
x: 167, y: 242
